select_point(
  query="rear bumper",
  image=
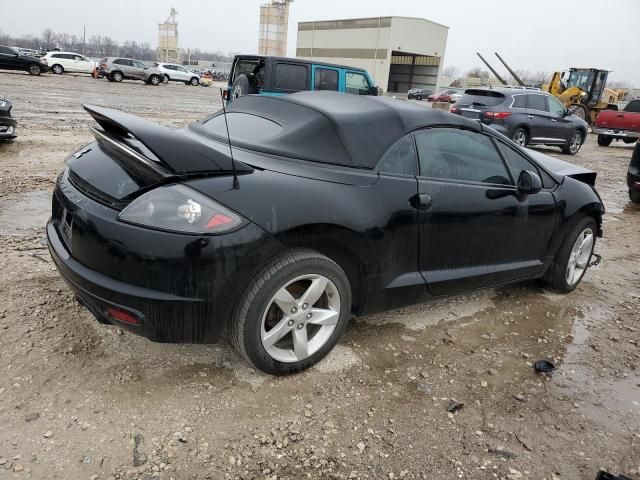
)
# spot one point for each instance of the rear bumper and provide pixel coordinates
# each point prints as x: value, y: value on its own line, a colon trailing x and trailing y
x: 180, y: 288
x: 161, y: 315
x: 610, y: 132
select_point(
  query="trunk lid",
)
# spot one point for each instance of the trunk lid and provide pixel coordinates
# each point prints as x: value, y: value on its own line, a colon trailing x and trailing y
x: 132, y: 155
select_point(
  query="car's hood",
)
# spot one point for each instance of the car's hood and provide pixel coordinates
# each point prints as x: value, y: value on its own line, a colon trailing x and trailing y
x: 560, y: 168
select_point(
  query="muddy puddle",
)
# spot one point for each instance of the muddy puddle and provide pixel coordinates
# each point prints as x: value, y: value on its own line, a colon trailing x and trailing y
x: 24, y: 211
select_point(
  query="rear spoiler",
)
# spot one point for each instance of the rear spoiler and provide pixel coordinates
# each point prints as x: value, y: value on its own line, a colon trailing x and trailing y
x: 172, y: 149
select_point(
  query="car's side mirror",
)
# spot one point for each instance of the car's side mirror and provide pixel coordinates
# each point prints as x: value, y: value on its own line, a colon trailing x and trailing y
x: 529, y: 182
x: 374, y: 91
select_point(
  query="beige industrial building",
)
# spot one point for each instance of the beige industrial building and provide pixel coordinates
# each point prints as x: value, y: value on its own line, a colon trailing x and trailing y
x: 274, y: 28
x: 398, y: 52
x: 168, y: 50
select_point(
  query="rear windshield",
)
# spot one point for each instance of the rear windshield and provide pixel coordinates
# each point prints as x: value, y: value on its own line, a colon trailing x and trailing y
x: 482, y: 98
x: 242, y: 126
x: 633, y: 106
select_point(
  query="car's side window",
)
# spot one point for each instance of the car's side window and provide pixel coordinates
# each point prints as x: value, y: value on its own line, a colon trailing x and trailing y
x: 138, y: 64
x: 555, y: 106
x: 292, y: 77
x: 357, y: 83
x: 457, y: 154
x: 517, y: 163
x: 118, y: 61
x: 400, y: 158
x: 326, y: 79
x: 7, y: 51
x: 519, y: 101
x: 536, y: 102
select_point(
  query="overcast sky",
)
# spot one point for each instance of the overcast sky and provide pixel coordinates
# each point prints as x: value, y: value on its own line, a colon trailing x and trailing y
x: 540, y: 35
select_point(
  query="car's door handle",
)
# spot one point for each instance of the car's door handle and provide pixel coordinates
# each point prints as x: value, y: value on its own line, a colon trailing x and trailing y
x: 422, y: 201
x: 554, y: 120
x: 530, y: 116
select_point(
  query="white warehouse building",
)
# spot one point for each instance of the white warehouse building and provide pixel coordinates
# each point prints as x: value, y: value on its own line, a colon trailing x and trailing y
x: 398, y: 52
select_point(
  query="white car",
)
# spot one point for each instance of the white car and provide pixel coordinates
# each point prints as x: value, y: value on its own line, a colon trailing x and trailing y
x: 454, y: 97
x: 177, y: 73
x: 61, y: 62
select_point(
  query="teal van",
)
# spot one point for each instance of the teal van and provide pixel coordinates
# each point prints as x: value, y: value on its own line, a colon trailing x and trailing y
x: 264, y: 75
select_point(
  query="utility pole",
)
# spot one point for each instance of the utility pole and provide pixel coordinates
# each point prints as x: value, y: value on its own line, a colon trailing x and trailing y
x: 84, y: 38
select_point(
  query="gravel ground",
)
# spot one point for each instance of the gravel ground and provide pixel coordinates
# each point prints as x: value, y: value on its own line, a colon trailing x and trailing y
x: 87, y: 401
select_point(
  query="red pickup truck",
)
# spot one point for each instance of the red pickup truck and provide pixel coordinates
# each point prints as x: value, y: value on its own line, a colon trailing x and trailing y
x: 618, y: 125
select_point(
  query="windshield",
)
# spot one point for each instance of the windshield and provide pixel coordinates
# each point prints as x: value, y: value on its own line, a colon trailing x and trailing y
x: 582, y: 79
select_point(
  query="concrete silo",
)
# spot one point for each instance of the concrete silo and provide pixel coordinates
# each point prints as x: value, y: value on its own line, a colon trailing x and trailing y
x: 274, y: 23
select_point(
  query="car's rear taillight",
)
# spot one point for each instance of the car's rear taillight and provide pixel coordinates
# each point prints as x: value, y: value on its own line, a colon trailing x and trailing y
x: 103, y: 65
x: 225, y: 94
x: 122, y: 316
x: 454, y: 109
x: 497, y: 115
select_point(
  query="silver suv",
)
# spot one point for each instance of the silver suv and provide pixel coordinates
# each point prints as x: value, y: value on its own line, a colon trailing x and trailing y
x: 116, y: 69
x: 177, y: 73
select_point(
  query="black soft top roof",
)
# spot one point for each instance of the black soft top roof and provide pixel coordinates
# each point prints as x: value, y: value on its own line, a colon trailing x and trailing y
x: 337, y: 128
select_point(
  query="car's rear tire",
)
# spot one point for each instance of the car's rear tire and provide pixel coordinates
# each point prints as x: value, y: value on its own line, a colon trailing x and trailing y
x: 155, y: 80
x: 634, y: 196
x: 194, y: 81
x: 275, y: 329
x: 572, y: 260
x: 57, y: 69
x: 520, y: 136
x: 604, y: 140
x: 573, y: 144
x: 418, y: 97
x: 34, y: 69
x: 117, y: 76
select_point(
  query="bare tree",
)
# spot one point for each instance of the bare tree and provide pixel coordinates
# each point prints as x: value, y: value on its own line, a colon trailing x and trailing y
x: 478, y: 72
x: 48, y: 36
x: 451, y: 72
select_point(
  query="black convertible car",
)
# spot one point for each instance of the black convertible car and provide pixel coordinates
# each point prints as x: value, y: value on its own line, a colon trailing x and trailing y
x: 328, y: 204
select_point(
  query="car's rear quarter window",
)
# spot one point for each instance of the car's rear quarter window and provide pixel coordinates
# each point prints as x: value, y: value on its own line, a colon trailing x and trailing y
x: 291, y: 77
x: 242, y: 126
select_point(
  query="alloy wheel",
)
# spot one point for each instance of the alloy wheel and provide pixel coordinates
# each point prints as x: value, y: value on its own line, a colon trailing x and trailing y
x: 520, y: 138
x: 300, y: 318
x: 579, y: 257
x: 34, y: 70
x: 57, y: 69
x: 574, y: 143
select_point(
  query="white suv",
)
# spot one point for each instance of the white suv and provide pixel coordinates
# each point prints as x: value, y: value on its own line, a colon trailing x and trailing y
x: 177, y: 73
x: 61, y: 62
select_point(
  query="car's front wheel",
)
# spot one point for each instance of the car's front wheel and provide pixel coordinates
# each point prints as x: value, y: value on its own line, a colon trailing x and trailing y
x: 573, y: 143
x: 634, y: 196
x: 573, y: 258
x: 520, y: 136
x: 293, y: 313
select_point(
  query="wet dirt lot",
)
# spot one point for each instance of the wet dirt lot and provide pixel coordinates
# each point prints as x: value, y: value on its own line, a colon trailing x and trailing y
x: 87, y: 401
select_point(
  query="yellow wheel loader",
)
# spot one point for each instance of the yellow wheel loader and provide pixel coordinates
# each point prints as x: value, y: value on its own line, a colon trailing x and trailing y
x: 584, y: 91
